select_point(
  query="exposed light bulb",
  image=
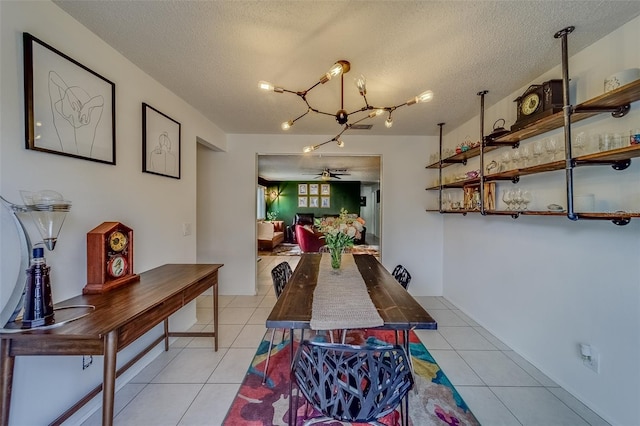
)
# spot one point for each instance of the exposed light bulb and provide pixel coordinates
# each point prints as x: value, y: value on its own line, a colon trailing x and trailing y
x: 340, y: 143
x: 309, y: 148
x: 361, y: 84
x: 425, y: 96
x: 287, y: 125
x: 335, y: 70
x: 265, y: 85
x: 388, y: 122
x: 375, y: 113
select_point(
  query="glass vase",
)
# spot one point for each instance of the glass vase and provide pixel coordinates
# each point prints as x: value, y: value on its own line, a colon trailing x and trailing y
x: 336, y: 257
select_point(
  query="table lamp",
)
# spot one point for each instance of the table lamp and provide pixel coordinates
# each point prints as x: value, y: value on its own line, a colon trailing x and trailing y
x: 48, y: 210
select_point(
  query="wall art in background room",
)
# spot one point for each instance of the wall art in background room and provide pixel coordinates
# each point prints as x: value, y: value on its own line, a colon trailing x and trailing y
x: 313, y: 189
x: 302, y: 201
x: 161, y: 145
x: 325, y: 189
x: 325, y: 202
x: 314, y: 202
x: 69, y: 109
x: 302, y: 189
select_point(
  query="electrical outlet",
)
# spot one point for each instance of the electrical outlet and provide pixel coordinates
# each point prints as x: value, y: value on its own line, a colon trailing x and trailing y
x: 186, y: 229
x: 592, y: 362
x: 87, y: 360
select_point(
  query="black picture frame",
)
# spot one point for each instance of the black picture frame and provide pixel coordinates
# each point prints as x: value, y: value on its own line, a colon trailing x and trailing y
x: 160, y: 133
x: 70, y: 109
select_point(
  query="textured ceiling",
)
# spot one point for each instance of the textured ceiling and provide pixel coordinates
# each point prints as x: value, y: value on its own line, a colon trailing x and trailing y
x: 213, y: 53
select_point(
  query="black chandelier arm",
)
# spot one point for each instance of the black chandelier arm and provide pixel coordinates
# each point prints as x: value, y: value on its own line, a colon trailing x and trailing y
x: 300, y: 116
x: 332, y: 114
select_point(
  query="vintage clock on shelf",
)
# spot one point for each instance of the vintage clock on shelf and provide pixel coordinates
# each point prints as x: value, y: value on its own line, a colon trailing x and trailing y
x: 109, y: 257
x: 538, y: 101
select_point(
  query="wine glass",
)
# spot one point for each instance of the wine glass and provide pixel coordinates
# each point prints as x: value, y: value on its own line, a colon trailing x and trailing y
x: 506, y: 159
x: 538, y: 150
x: 446, y: 201
x: 580, y: 143
x: 507, y: 197
x: 551, y: 146
x: 515, y: 156
x: 526, y: 199
x: 517, y: 199
x: 526, y: 155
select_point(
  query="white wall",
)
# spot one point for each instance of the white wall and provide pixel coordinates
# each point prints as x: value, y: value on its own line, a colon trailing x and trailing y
x: 545, y: 284
x: 409, y: 236
x: 154, y: 206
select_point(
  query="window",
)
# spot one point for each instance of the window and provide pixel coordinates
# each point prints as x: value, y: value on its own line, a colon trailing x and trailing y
x: 262, y: 203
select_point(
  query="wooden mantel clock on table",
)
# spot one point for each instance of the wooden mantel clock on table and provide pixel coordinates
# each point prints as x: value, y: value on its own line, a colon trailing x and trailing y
x: 109, y: 258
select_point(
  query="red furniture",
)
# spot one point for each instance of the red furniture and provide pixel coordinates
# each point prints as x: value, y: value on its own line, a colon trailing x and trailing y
x: 309, y: 241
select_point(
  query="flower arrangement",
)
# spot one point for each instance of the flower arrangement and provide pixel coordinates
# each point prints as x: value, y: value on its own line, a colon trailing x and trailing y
x: 339, y: 233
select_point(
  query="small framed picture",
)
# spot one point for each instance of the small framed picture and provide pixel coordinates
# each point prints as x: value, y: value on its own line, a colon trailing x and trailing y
x: 325, y: 189
x: 160, y: 143
x: 302, y: 189
x: 313, y: 189
x: 302, y: 201
x: 314, y: 202
x: 325, y: 202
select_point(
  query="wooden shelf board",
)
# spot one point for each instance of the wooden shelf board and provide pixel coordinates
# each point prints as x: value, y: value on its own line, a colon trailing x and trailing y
x: 455, y: 159
x: 621, y: 96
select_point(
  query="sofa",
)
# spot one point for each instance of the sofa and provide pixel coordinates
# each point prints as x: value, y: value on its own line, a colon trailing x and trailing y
x: 309, y: 240
x: 270, y: 234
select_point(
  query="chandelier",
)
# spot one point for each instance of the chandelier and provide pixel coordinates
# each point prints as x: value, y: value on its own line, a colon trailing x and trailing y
x: 342, y: 116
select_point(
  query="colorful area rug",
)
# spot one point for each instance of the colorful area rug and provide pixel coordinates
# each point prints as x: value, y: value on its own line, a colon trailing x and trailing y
x: 432, y: 401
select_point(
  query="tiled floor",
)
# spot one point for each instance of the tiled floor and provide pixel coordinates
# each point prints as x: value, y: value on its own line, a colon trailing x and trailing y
x: 192, y: 385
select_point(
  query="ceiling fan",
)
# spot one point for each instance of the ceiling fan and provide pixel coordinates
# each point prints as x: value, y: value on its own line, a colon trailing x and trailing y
x: 327, y: 174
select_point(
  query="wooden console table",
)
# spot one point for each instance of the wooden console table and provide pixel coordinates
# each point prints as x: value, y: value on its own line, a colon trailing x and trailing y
x: 120, y: 317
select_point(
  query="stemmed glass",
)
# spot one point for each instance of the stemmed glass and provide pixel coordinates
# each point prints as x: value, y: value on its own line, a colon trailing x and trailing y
x: 538, y: 150
x: 580, y: 143
x: 505, y: 159
x: 526, y: 199
x: 551, y: 146
x: 446, y: 201
x: 526, y: 155
x: 507, y: 197
x: 517, y: 199
x: 515, y: 155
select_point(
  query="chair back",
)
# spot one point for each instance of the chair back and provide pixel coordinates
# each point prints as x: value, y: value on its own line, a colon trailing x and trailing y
x: 401, y: 275
x: 280, y: 275
x: 352, y: 383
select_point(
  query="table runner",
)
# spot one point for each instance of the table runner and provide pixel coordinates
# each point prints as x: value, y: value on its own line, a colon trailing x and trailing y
x: 340, y: 299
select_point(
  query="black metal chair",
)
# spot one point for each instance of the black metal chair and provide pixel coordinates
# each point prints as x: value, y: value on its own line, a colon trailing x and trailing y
x: 359, y: 384
x: 401, y: 275
x: 280, y: 275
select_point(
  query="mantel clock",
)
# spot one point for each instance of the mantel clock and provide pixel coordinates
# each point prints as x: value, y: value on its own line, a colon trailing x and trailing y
x: 538, y: 101
x: 109, y: 257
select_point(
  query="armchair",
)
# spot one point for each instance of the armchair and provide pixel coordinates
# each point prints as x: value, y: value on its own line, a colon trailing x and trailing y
x: 308, y: 240
x: 299, y: 219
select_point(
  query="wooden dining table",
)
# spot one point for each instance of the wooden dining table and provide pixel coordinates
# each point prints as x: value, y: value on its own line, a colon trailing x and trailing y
x: 397, y: 308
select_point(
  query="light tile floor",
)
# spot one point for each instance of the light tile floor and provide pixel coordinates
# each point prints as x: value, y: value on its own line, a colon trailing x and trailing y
x: 192, y: 385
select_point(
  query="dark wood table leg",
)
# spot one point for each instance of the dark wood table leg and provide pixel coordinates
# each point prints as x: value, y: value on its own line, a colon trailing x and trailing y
x: 109, y: 376
x: 292, y: 416
x: 166, y: 334
x: 6, y: 380
x: 405, y: 417
x: 215, y: 316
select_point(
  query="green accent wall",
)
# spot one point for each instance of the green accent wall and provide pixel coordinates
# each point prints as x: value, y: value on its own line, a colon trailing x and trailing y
x: 342, y: 195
